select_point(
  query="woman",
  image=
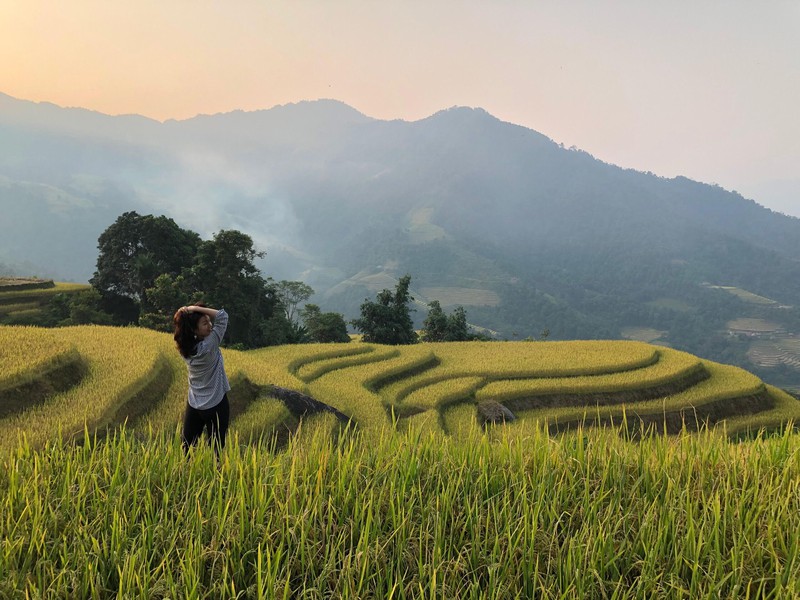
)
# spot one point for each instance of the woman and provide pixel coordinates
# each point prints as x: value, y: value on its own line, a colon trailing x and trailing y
x: 198, y: 334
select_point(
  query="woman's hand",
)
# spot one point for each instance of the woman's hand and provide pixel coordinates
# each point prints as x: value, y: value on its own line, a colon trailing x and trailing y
x: 211, y: 312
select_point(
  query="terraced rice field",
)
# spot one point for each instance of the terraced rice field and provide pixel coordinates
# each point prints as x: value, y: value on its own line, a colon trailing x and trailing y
x: 78, y: 380
x: 22, y: 301
x: 745, y: 295
x: 755, y: 326
x: 778, y: 351
x: 642, y: 334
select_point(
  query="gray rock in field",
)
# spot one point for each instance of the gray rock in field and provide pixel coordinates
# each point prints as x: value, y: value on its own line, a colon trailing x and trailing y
x: 492, y: 412
x: 301, y: 404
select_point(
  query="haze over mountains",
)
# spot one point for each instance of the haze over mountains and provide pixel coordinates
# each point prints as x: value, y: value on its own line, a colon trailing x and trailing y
x: 524, y: 233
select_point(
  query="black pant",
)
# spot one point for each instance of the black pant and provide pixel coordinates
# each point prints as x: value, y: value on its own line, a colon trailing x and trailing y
x: 214, y: 420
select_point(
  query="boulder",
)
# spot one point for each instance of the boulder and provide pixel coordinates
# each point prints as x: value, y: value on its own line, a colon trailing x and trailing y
x: 491, y: 412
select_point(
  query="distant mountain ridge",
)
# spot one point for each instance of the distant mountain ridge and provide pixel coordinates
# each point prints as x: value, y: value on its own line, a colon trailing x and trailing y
x: 527, y: 234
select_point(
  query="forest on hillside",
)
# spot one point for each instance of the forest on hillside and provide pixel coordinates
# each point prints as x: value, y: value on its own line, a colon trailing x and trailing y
x: 527, y: 235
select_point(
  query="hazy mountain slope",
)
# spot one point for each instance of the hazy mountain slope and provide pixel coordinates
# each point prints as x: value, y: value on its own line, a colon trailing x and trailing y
x: 526, y: 234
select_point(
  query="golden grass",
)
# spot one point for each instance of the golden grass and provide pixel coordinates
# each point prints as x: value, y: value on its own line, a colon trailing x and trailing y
x: 121, y: 361
x: 517, y: 360
x: 265, y: 417
x: 370, y: 383
x: 351, y: 390
x: 786, y: 410
x: 426, y: 423
x: 26, y: 351
x: 460, y: 421
x: 420, y: 515
x: 725, y: 383
x: 672, y: 365
x: 441, y: 393
x: 359, y: 354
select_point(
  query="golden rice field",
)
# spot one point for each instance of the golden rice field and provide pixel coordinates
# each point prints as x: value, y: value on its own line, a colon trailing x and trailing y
x: 24, y: 301
x: 82, y: 379
x: 419, y: 495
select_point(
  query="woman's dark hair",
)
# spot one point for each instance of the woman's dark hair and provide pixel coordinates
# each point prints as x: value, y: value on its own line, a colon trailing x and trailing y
x: 185, y: 323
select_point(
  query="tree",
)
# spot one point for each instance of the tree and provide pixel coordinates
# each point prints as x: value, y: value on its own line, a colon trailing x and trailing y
x: 81, y: 308
x: 148, y: 267
x: 324, y: 327
x: 434, y: 328
x: 290, y: 294
x: 457, y: 328
x: 134, y: 251
x: 388, y: 321
x: 85, y: 308
x: 166, y: 295
x: 225, y: 273
x: 439, y: 327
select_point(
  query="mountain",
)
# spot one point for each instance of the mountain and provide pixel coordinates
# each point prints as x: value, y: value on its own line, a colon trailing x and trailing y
x: 526, y: 234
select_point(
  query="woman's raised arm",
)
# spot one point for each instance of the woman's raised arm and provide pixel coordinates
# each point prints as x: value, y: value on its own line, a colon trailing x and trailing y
x: 211, y: 312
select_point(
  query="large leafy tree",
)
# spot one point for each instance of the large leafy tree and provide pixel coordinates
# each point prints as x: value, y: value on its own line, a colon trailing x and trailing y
x: 149, y: 266
x: 226, y: 274
x: 388, y: 319
x: 168, y: 293
x: 324, y: 327
x: 134, y: 251
x: 457, y: 327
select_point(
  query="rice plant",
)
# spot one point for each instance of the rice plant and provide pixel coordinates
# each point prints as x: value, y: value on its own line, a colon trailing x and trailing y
x: 418, y: 515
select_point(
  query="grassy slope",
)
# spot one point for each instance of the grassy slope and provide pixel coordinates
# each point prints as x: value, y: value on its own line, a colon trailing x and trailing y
x: 414, y: 513
x: 136, y: 375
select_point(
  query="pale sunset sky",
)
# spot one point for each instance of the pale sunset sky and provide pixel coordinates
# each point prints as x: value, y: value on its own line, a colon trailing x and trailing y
x: 705, y: 89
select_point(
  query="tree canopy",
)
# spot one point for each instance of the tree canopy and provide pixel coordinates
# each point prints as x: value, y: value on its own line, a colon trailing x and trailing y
x: 155, y: 266
x: 135, y: 250
x: 439, y: 327
x: 290, y: 294
x: 324, y: 327
x: 388, y: 319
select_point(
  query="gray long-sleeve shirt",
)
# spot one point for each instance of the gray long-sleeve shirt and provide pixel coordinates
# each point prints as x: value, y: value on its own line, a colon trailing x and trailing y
x: 208, y: 382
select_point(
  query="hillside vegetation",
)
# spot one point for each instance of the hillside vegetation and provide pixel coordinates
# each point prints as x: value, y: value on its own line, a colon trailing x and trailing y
x: 526, y: 234
x: 23, y: 301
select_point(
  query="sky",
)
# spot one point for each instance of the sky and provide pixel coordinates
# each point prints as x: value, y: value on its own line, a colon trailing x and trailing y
x: 705, y: 89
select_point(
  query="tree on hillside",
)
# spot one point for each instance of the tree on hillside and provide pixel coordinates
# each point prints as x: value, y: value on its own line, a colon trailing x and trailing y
x: 324, y: 327
x: 168, y: 293
x: 225, y: 273
x: 457, y: 328
x: 222, y: 274
x: 134, y: 251
x: 434, y: 328
x: 290, y: 294
x: 148, y: 266
x: 439, y: 327
x: 79, y: 308
x: 388, y: 320
x: 86, y: 308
